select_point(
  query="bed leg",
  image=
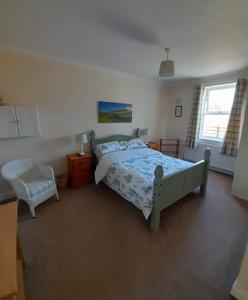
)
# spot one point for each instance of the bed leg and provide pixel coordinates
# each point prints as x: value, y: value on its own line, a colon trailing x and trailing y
x: 155, y: 220
x: 203, y: 187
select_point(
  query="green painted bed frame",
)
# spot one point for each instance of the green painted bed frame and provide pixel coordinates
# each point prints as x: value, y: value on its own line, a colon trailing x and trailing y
x: 168, y: 189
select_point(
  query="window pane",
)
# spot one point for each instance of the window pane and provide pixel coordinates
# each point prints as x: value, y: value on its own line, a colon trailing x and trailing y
x: 220, y: 99
x: 214, y: 126
x: 216, y: 110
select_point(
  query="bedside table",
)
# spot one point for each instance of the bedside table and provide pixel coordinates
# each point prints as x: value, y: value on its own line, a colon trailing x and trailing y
x: 80, y: 169
x: 153, y: 146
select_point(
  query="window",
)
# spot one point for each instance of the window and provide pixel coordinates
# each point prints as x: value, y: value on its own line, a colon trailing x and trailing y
x: 216, y: 109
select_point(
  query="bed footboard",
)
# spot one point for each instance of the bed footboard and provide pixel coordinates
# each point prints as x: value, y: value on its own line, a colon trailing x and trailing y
x: 169, y: 189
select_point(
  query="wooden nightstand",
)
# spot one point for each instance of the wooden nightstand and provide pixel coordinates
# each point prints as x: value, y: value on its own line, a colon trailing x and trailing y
x: 80, y: 169
x: 153, y: 146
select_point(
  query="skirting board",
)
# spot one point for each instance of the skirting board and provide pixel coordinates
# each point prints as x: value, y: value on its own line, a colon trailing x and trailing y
x: 9, y: 194
x: 213, y: 168
x: 238, y: 292
x: 243, y: 197
x: 221, y: 170
x: 6, y: 195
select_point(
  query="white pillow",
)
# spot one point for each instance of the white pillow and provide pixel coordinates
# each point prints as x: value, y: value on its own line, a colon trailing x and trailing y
x: 134, y: 144
x: 105, y: 148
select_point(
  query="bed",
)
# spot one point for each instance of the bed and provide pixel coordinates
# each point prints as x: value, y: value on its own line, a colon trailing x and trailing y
x: 147, y: 178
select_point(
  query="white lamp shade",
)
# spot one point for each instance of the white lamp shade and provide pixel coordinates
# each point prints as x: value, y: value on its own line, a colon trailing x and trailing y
x: 146, y: 132
x: 82, y: 138
x: 166, y: 68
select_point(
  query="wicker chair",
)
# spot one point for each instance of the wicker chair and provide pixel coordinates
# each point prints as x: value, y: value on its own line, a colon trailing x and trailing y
x: 31, y: 181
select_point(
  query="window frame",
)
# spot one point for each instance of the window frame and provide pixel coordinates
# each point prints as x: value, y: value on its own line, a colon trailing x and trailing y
x: 207, y: 89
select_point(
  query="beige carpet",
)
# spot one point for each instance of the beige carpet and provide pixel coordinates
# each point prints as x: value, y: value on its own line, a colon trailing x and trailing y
x: 95, y: 245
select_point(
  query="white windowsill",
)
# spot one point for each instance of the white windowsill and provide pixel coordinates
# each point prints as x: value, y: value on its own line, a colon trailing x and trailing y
x: 210, y: 142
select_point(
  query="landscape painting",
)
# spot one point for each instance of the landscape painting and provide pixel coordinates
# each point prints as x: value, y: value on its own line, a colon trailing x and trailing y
x: 113, y: 112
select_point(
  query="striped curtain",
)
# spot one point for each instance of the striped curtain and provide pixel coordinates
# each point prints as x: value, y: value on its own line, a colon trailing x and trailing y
x: 194, y: 123
x: 231, y: 141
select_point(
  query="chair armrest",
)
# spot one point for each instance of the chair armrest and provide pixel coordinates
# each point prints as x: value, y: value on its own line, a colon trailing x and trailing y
x: 47, y: 172
x: 20, y: 189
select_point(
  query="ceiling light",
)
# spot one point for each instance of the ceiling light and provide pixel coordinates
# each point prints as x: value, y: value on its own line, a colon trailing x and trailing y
x: 166, y: 66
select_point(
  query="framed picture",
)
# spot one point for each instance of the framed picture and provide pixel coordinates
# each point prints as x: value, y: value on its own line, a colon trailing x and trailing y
x: 178, y: 111
x: 113, y: 112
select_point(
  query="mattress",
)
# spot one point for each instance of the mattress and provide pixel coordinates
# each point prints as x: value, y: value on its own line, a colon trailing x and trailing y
x: 131, y: 174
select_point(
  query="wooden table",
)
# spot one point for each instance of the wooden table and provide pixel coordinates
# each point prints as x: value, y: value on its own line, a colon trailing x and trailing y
x: 153, y: 146
x: 80, y: 169
x: 11, y: 260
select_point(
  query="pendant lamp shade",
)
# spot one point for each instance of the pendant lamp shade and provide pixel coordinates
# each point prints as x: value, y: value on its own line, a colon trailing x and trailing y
x: 166, y: 66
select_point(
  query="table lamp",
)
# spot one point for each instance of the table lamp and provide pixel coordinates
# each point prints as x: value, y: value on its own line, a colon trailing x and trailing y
x: 147, y: 133
x: 82, y: 138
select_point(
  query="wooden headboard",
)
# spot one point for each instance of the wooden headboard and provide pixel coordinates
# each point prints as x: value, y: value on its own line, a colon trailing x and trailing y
x: 113, y: 138
x: 110, y: 138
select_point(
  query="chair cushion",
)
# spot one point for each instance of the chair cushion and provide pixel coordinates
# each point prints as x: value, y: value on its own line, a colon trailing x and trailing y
x: 38, y: 186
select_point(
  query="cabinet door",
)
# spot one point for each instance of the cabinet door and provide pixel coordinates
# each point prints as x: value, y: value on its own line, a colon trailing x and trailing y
x: 8, y: 122
x: 28, y: 121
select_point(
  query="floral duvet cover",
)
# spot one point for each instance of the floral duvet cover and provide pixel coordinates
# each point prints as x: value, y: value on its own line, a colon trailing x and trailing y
x: 131, y: 173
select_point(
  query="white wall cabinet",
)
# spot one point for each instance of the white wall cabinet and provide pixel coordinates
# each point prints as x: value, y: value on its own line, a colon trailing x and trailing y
x: 19, y: 121
x: 8, y: 125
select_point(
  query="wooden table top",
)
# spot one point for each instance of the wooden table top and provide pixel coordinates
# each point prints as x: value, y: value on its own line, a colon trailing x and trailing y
x: 75, y: 156
x: 8, y: 234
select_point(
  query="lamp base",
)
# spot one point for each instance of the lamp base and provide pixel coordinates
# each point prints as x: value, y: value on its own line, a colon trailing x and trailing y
x: 81, y: 153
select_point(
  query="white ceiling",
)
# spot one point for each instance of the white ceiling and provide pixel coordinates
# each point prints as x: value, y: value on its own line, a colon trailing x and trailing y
x: 206, y: 37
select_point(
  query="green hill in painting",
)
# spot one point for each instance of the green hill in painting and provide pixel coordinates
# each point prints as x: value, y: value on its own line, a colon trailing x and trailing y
x: 110, y: 112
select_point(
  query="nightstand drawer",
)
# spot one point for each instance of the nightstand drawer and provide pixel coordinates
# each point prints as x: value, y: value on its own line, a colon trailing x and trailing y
x: 79, y: 181
x: 82, y: 164
x: 82, y: 172
x: 80, y: 169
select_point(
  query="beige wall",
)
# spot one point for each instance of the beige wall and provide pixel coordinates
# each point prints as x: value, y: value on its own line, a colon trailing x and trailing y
x: 177, y: 127
x: 240, y: 187
x: 67, y: 96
